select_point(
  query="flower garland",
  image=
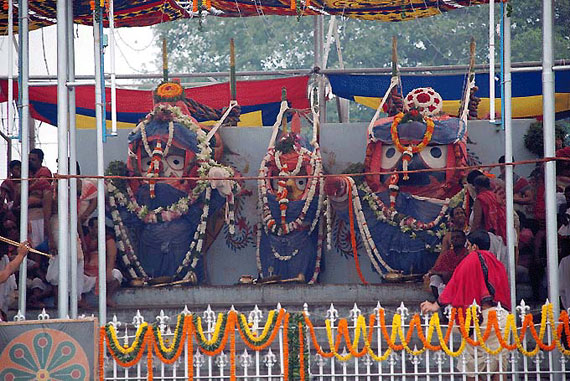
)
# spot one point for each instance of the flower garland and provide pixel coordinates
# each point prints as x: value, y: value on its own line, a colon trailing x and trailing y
x: 409, y: 151
x: 177, y: 209
x: 430, y: 126
x: 149, y: 338
x: 268, y: 223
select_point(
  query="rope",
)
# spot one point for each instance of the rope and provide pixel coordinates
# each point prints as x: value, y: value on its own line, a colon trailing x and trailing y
x: 393, y: 83
x: 359, y: 174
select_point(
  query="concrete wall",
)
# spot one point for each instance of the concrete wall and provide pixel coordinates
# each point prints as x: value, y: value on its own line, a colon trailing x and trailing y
x: 341, y: 145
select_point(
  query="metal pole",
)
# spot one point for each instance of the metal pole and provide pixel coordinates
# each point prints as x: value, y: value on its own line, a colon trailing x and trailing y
x: 491, y: 61
x: 100, y: 121
x: 507, y: 112
x: 549, y: 151
x: 319, y: 61
x: 73, y: 225
x: 113, y: 69
x: 9, y: 123
x: 62, y: 163
x: 24, y: 102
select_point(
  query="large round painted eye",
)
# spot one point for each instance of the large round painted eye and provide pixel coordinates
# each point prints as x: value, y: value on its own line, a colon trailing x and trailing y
x: 175, y: 162
x: 390, y: 156
x: 435, y: 156
x: 301, y: 183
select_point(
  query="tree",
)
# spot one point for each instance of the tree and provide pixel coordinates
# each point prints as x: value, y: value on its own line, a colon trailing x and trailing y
x: 277, y: 42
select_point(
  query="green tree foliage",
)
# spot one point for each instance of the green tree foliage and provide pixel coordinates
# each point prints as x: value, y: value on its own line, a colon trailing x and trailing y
x: 276, y: 42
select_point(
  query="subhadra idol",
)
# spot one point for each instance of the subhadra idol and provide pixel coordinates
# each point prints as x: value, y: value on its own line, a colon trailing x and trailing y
x: 290, y: 235
x: 401, y: 216
x: 161, y: 224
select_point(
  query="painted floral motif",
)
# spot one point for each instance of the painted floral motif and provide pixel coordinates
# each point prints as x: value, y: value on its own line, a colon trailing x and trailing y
x: 44, y: 354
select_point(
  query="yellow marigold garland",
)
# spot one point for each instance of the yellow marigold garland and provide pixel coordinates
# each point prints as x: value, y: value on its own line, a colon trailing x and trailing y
x: 430, y: 126
x: 147, y: 340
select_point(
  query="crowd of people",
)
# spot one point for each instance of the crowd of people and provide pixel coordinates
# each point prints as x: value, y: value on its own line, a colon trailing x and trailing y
x: 43, y: 273
x: 488, y: 213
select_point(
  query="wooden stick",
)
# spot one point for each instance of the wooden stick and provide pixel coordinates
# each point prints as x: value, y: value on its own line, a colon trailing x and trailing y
x: 14, y: 243
x: 394, y: 56
x: 233, y: 89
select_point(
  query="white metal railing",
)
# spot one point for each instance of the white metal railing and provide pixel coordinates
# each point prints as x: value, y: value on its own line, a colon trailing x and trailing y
x: 242, y: 361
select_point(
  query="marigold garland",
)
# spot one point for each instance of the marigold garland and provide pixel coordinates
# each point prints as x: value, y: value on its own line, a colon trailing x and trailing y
x: 430, y: 126
x: 301, y: 352
x: 148, y: 339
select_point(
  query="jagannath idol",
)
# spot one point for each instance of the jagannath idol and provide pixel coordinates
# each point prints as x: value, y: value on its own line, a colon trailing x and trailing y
x: 161, y: 224
x: 290, y: 236
x: 401, y: 217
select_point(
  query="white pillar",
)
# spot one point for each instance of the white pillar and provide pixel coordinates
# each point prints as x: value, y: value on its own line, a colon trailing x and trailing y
x: 507, y: 112
x: 23, y: 93
x: 549, y: 151
x: 100, y: 121
x: 72, y: 159
x: 492, y: 61
x: 62, y: 162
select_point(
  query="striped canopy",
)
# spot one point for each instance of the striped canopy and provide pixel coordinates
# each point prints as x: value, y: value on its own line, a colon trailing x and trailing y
x: 150, y: 12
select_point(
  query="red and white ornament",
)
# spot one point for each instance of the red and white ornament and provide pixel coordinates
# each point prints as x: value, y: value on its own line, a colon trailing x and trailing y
x: 424, y: 99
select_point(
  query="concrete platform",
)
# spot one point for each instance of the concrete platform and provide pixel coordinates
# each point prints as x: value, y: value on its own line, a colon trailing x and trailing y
x: 172, y: 300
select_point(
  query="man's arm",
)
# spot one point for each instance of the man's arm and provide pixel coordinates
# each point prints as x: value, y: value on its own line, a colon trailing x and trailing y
x: 477, y: 216
x: 15, y: 263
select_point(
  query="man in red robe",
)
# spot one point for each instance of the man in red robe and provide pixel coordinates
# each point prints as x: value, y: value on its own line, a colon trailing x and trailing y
x: 482, y: 278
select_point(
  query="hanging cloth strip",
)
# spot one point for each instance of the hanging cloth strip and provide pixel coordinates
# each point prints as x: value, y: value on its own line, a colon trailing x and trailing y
x: 233, y: 104
x: 393, y: 82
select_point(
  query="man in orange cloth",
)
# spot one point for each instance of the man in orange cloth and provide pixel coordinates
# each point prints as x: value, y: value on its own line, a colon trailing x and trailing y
x: 482, y: 278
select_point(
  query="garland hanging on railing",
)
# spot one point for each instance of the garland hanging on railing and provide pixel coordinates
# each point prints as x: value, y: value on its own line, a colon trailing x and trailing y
x: 296, y: 355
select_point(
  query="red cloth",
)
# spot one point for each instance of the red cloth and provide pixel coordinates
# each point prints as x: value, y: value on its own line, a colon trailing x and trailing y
x: 40, y: 182
x: 468, y: 282
x: 494, y: 215
x: 448, y: 261
x: 540, y: 206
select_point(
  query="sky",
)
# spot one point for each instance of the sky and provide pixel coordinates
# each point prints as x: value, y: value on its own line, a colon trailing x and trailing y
x: 136, y: 50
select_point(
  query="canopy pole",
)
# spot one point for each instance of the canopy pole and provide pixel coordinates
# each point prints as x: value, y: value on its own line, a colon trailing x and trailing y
x: 9, y: 122
x: 100, y: 121
x: 62, y: 163
x: 73, y: 225
x: 491, y: 61
x: 113, y: 68
x: 549, y: 151
x: 318, y: 44
x: 24, y: 103
x: 509, y: 181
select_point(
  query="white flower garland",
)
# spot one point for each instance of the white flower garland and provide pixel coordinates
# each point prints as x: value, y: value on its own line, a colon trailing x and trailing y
x: 284, y: 257
x: 177, y: 209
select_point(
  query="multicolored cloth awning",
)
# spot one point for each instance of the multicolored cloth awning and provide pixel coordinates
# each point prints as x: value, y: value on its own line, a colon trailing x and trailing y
x: 130, y: 13
x: 260, y: 101
x: 526, y: 91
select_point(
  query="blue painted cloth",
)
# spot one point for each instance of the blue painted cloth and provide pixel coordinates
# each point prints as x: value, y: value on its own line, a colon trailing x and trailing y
x: 161, y: 247
x: 299, y: 244
x: 398, y: 249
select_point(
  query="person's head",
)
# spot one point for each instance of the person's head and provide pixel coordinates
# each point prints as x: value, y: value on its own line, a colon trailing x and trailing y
x: 478, y: 240
x: 473, y: 175
x: 567, y: 194
x: 458, y: 239
x: 481, y: 183
x: 15, y: 167
x: 36, y: 158
x: 502, y: 167
x: 458, y: 216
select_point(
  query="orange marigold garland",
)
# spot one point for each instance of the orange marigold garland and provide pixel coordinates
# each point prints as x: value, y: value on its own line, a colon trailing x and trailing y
x: 102, y: 353
x: 286, y: 348
x: 231, y: 327
x: 301, y: 352
x: 190, y: 348
x: 149, y: 362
